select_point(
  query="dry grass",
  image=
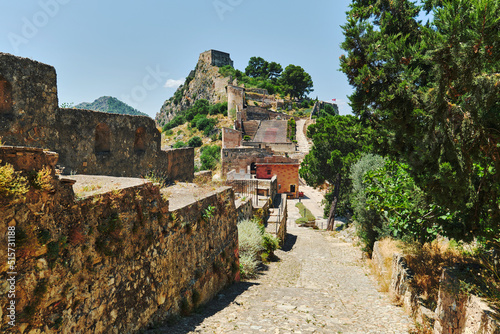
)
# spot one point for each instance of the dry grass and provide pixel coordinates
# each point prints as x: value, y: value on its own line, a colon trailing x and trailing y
x: 427, y: 262
x: 387, y: 247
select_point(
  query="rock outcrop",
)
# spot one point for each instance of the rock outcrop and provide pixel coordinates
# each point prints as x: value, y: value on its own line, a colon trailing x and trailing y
x: 204, y: 82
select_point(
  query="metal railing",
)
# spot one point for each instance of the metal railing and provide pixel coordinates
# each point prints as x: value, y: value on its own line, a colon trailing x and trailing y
x: 246, y: 188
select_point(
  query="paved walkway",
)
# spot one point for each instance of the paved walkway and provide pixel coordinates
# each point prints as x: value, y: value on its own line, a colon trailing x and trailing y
x: 320, y: 285
x: 302, y: 142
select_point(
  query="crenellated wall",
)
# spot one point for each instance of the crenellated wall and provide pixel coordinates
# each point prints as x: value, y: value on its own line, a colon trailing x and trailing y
x: 110, y: 263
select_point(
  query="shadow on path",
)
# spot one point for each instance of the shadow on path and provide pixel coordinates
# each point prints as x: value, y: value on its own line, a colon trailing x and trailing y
x: 291, y: 239
x: 183, y: 325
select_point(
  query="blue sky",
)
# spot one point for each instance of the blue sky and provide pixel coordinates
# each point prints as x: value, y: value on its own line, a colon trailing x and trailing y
x: 138, y: 51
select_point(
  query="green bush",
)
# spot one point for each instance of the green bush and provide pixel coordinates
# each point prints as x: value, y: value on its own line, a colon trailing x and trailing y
x: 254, y: 244
x: 369, y: 226
x: 179, y: 144
x: 210, y: 157
x: 248, y: 266
x: 250, y: 239
x: 195, y: 142
x: 13, y: 186
x: 271, y: 243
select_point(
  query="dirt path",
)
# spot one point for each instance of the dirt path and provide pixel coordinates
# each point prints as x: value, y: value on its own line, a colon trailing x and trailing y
x: 320, y: 285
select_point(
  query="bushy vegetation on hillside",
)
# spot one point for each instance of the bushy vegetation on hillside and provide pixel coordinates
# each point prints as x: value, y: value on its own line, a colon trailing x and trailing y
x: 210, y: 157
x: 327, y: 110
x: 196, y: 115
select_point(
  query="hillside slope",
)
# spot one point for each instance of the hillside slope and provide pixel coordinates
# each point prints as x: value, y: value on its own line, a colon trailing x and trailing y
x: 110, y: 104
x: 204, y: 82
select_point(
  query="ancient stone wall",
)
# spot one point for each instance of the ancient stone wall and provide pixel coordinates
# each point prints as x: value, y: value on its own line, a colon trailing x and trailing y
x: 244, y: 209
x: 456, y: 312
x: 231, y: 138
x: 28, y: 113
x: 262, y: 114
x: 180, y: 164
x: 111, y: 263
x: 276, y: 147
x: 88, y: 142
x: 107, y: 144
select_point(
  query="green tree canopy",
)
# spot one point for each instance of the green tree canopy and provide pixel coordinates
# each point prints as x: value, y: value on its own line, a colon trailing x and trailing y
x: 295, y: 81
x: 260, y: 68
x: 257, y: 67
x: 339, y: 141
x: 433, y: 93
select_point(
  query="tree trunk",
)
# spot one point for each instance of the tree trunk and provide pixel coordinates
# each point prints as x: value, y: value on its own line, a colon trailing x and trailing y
x: 333, y: 208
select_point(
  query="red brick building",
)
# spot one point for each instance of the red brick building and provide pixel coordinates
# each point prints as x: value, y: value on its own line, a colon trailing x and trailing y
x: 286, y: 173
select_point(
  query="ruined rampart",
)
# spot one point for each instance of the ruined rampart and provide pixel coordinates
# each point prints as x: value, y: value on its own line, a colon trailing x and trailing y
x: 88, y: 142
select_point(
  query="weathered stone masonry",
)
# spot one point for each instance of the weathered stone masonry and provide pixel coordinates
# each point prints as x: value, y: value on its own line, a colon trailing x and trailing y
x: 88, y: 142
x: 111, y: 263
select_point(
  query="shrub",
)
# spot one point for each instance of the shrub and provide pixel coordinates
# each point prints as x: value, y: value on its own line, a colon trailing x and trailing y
x: 179, y: 144
x: 248, y: 266
x: 195, y: 142
x: 210, y: 157
x: 369, y: 226
x: 42, y: 180
x: 250, y: 238
x: 271, y: 243
x: 246, y: 138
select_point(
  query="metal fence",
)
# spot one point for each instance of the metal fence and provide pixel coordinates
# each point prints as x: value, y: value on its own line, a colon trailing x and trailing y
x: 246, y: 188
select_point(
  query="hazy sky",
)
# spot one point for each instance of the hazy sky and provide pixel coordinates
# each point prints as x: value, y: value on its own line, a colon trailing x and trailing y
x: 138, y: 51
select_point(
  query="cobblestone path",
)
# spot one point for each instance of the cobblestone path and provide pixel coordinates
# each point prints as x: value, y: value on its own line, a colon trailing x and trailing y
x: 319, y: 285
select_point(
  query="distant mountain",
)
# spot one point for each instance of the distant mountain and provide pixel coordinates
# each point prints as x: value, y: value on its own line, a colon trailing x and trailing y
x: 110, y: 104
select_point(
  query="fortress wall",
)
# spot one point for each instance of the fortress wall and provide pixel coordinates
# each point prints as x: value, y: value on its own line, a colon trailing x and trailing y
x: 28, y: 95
x: 111, y: 263
x: 88, y: 142
x: 107, y: 144
x: 180, y: 164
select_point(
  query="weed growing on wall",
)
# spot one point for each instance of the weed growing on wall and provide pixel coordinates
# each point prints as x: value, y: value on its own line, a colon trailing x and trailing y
x: 42, y: 180
x: 13, y: 186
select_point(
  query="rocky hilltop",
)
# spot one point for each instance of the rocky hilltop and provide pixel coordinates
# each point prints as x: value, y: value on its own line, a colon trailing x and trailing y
x: 204, y: 82
x: 110, y: 104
